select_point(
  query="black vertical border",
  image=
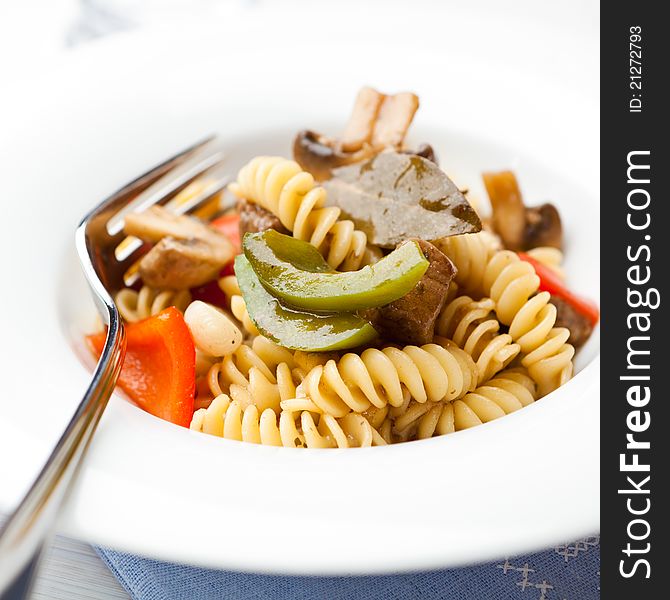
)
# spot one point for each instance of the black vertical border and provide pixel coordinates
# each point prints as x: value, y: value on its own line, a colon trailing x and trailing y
x: 622, y: 132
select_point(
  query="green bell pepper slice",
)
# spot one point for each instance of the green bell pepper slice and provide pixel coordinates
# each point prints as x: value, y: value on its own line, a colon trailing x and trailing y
x: 295, y: 329
x: 295, y: 272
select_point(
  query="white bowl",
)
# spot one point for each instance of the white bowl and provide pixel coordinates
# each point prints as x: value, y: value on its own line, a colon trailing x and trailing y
x: 108, y: 113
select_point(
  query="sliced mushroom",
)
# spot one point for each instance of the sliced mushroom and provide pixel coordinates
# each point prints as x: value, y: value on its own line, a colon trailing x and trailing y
x: 509, y: 212
x: 358, y: 131
x: 180, y: 264
x: 543, y: 227
x: 520, y: 227
x: 187, y: 252
x: 319, y: 155
x: 395, y: 117
x: 156, y: 223
x: 377, y: 122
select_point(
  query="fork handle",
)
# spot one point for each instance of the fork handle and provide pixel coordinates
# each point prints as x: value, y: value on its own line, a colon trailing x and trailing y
x: 24, y: 532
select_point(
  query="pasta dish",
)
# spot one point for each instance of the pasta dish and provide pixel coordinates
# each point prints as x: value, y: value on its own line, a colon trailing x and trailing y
x: 352, y: 295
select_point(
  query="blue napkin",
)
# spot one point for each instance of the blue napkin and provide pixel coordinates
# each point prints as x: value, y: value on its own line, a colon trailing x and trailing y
x: 566, y: 572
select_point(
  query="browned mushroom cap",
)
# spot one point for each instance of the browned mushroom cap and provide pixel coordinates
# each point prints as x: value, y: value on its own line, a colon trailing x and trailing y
x: 520, y: 227
x: 543, y: 227
x: 318, y: 154
x: 378, y: 121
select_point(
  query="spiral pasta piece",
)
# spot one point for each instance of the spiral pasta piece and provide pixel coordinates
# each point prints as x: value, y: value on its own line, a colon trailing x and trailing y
x: 308, y: 360
x: 471, y: 254
x: 378, y: 377
x: 229, y: 286
x: 231, y: 420
x: 550, y: 364
x: 134, y: 306
x: 509, y: 391
x: 282, y: 187
x: 238, y: 307
x: 227, y: 419
x: 496, y: 398
x: 377, y: 417
x: 359, y: 431
x: 531, y: 317
x: 513, y: 286
x: 471, y: 326
x: 550, y: 257
x: 259, y: 375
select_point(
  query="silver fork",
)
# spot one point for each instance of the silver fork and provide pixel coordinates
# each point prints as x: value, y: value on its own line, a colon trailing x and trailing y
x: 23, y: 535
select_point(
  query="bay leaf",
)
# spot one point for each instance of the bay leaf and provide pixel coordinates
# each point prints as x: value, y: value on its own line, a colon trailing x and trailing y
x: 395, y: 196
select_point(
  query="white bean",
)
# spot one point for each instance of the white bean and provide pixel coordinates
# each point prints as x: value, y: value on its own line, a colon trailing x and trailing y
x: 213, y: 332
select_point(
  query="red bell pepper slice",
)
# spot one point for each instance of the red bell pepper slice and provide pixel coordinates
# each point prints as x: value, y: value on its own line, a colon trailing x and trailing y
x: 211, y: 292
x: 158, y: 371
x: 229, y: 225
x: 551, y: 282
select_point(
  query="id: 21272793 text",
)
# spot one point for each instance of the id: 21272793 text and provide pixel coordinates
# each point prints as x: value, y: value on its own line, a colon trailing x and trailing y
x: 635, y: 69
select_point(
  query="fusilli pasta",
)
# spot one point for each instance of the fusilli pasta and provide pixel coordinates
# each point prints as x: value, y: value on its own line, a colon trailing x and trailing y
x: 472, y: 326
x: 513, y: 285
x: 259, y: 375
x: 409, y: 349
x: 549, y: 257
x: 498, y: 397
x: 282, y: 187
x: 135, y: 306
x: 377, y: 377
x: 238, y: 307
x: 509, y: 391
x: 471, y: 254
x: 229, y: 419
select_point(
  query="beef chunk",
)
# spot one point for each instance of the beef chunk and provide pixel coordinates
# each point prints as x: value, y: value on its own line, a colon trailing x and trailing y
x: 411, y: 319
x: 580, y: 326
x: 254, y: 218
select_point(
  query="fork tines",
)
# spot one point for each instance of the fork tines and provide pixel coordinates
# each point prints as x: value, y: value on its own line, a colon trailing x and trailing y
x: 203, y: 160
x: 188, y: 188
